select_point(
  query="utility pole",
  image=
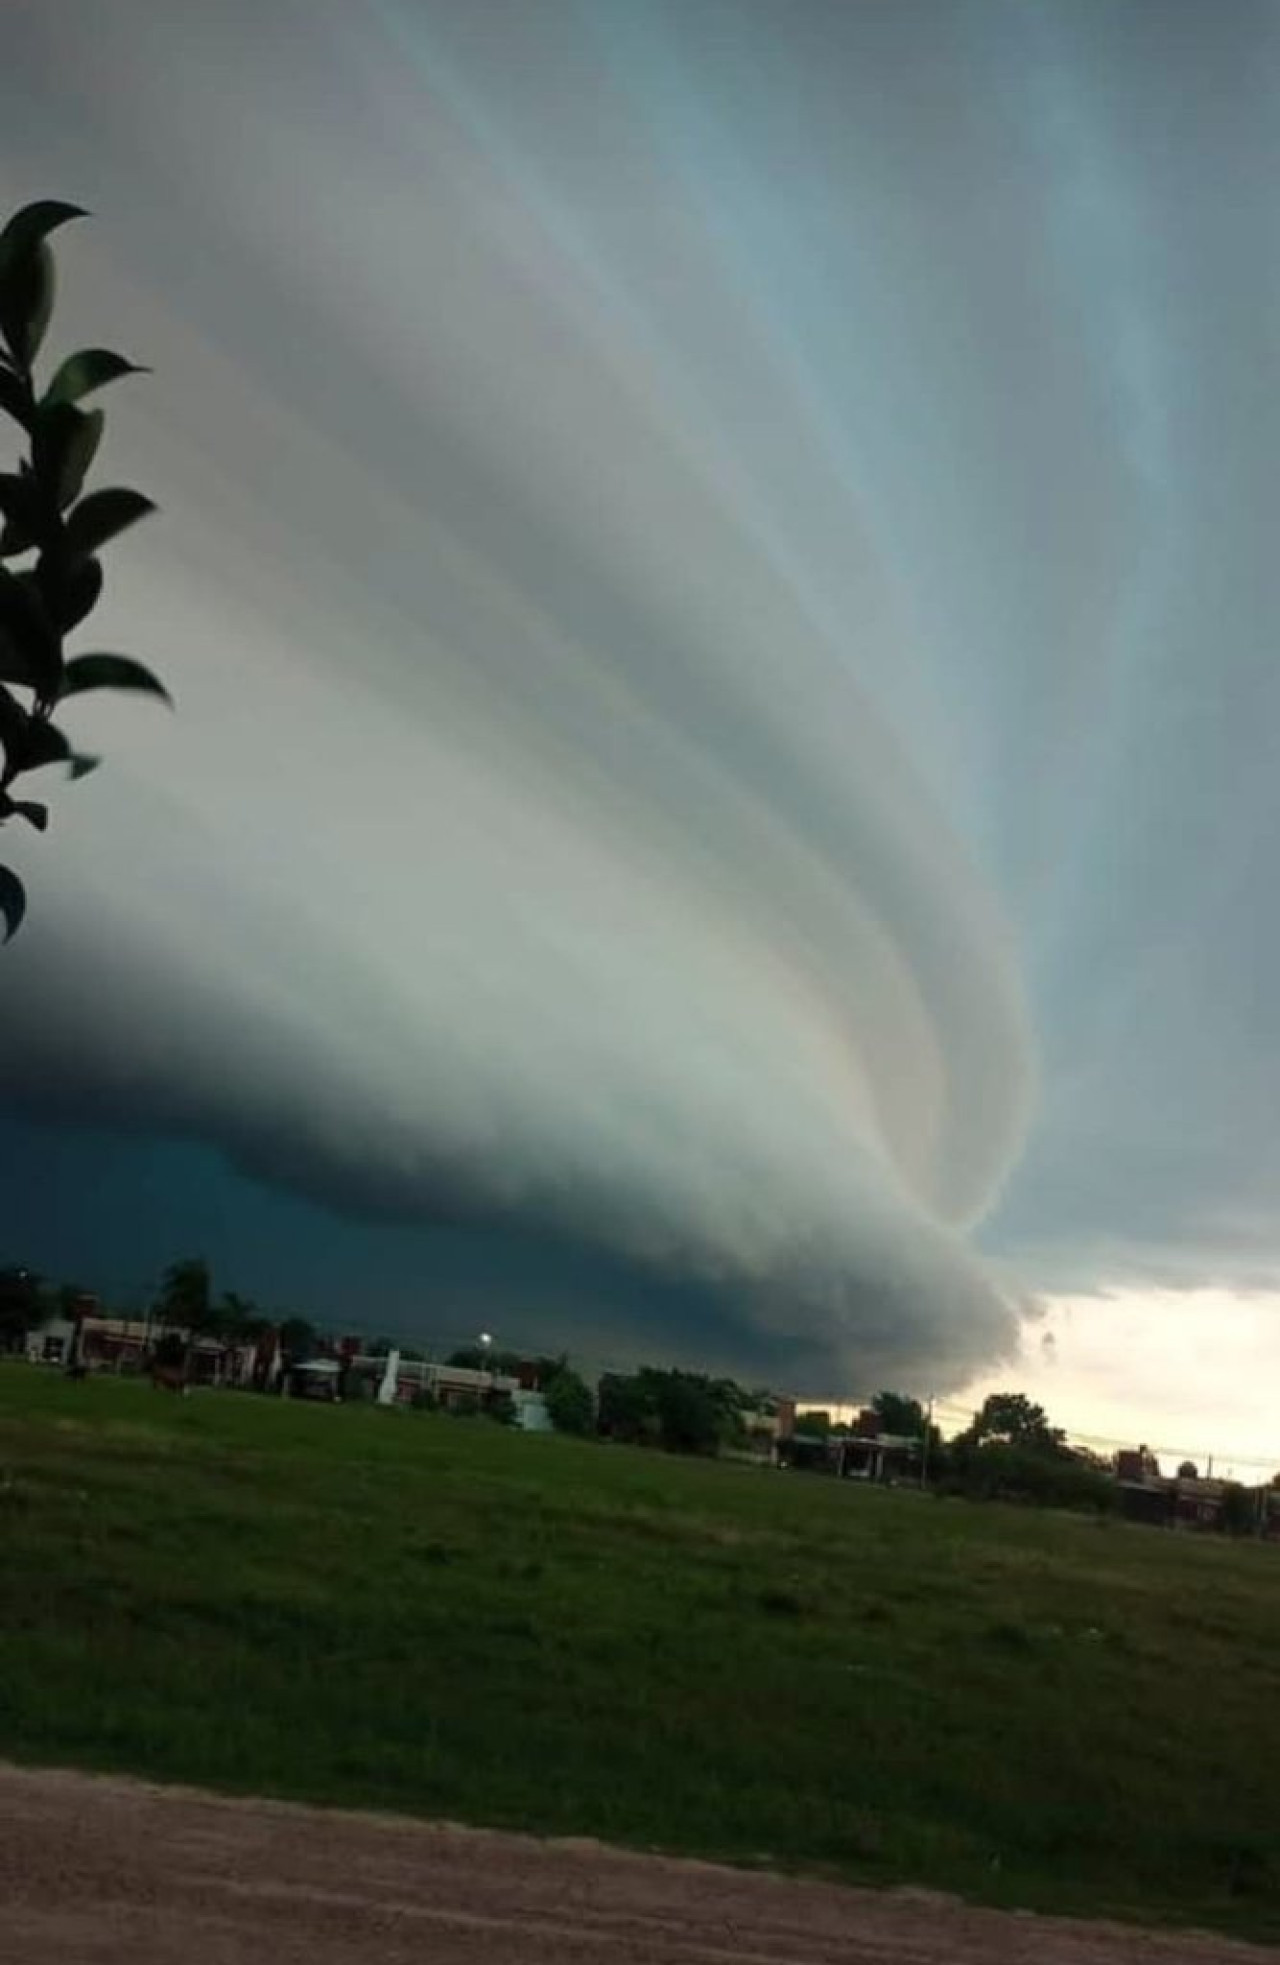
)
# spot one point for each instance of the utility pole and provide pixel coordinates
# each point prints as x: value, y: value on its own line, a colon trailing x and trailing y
x: 928, y: 1441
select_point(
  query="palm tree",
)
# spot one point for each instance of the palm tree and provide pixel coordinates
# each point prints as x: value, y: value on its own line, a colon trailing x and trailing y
x: 186, y: 1295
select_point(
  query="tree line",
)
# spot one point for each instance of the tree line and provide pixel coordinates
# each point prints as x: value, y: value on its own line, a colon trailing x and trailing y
x: 185, y: 1301
x: 1010, y: 1450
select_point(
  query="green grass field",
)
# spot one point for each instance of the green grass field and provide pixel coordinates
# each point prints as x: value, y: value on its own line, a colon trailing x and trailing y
x: 415, y: 1613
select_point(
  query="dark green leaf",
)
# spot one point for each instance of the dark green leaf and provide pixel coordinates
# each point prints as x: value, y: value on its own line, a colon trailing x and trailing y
x: 63, y: 445
x: 13, y: 489
x: 15, y: 398
x: 80, y: 764
x: 14, y: 541
x: 110, y: 672
x: 45, y: 744
x: 35, y: 222
x: 27, y: 275
x: 13, y: 902
x: 103, y: 515
x: 20, y: 510
x: 29, y: 651
x: 32, y: 811
x: 91, y: 369
x: 27, y: 281
x: 14, y: 724
x: 71, y: 589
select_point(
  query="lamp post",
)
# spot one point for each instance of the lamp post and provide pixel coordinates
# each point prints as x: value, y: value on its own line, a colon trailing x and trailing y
x: 486, y: 1347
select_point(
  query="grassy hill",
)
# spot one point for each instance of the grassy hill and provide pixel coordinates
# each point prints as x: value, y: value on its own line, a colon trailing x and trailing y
x: 400, y: 1611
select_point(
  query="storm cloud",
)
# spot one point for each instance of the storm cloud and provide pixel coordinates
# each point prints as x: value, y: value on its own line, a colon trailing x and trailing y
x: 714, y: 573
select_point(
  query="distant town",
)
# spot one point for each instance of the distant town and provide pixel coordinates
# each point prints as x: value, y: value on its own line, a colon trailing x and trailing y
x: 190, y: 1340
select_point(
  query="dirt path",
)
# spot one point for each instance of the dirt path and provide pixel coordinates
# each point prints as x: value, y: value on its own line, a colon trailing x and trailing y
x: 97, y: 1872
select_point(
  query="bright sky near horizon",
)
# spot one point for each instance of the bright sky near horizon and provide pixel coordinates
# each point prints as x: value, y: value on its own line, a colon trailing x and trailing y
x: 717, y: 568
x: 1189, y: 1373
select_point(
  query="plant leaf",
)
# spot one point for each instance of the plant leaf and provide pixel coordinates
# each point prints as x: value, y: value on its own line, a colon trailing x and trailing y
x: 27, y: 281
x: 29, y: 651
x: 13, y: 902
x: 103, y: 515
x: 45, y: 744
x: 91, y: 369
x: 35, y: 222
x: 15, y: 400
x: 63, y: 444
x: 80, y: 764
x: 71, y: 589
x: 14, y: 722
x: 20, y: 509
x: 32, y: 811
x: 27, y: 275
x: 101, y: 671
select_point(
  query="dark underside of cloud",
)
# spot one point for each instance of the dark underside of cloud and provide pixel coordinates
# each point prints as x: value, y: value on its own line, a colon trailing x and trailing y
x: 404, y: 1235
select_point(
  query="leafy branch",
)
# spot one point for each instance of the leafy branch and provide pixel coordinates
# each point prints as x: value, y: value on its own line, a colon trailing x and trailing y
x: 52, y: 528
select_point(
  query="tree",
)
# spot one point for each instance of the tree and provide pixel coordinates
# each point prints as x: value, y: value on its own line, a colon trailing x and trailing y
x: 899, y: 1415
x: 681, y: 1411
x: 690, y: 1418
x: 186, y: 1294
x: 50, y: 529
x: 1005, y: 1471
x: 570, y: 1405
x: 732, y: 1403
x: 500, y: 1406
x: 1188, y: 1471
x: 1011, y: 1452
x: 1012, y: 1419
x: 626, y: 1410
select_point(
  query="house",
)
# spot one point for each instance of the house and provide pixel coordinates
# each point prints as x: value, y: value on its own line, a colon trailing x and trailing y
x: 1149, y: 1501
x: 115, y: 1343
x: 126, y: 1344
x: 211, y: 1362
x: 1184, y: 1500
x: 1198, y: 1503
x: 51, y: 1343
x: 808, y: 1452
x: 397, y: 1380
x: 884, y: 1457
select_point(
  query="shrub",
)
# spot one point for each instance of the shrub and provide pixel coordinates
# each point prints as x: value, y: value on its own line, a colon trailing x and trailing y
x: 570, y: 1405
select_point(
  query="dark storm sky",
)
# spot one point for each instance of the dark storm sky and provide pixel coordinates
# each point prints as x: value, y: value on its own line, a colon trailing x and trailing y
x: 717, y: 568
